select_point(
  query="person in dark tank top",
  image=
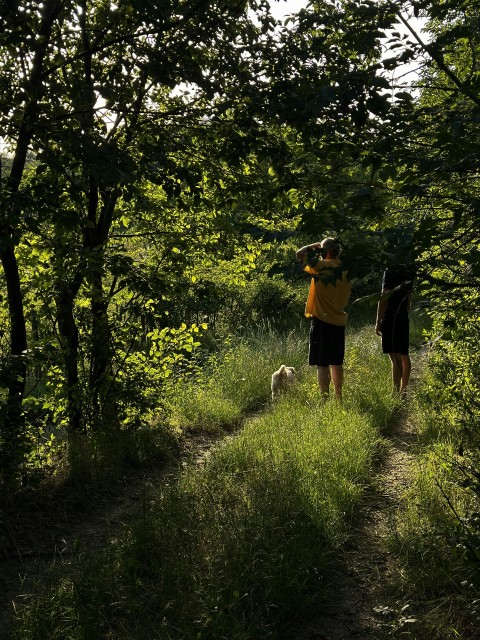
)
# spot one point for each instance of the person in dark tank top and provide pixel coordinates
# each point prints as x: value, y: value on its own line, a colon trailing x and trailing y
x: 393, y: 323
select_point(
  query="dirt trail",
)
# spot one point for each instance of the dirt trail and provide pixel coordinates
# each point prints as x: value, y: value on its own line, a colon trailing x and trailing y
x: 360, y: 603
x: 56, y: 527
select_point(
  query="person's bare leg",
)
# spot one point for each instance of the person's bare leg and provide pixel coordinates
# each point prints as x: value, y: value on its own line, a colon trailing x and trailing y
x: 396, y: 360
x: 406, y: 369
x: 337, y: 380
x: 323, y: 378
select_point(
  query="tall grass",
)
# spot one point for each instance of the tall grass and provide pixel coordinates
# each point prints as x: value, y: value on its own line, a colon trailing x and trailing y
x: 237, y: 547
x: 235, y: 381
x: 435, y: 536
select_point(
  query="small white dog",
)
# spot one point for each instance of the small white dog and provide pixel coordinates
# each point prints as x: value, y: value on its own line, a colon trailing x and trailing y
x: 281, y: 379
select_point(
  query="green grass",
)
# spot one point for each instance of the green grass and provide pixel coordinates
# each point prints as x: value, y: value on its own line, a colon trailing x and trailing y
x: 238, y: 547
x: 435, y: 573
x: 235, y: 382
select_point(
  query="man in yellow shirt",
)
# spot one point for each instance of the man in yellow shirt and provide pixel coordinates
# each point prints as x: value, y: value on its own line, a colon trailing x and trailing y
x: 327, y: 298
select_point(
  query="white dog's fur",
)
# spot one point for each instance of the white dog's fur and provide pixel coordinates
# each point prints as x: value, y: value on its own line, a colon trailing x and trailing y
x: 281, y: 379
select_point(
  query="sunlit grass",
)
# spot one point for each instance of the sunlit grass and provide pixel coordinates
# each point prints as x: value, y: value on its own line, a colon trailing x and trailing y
x: 236, y: 381
x: 237, y: 547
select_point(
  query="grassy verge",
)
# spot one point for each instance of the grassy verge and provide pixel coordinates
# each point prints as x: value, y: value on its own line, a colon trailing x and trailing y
x: 237, y: 547
x: 437, y: 533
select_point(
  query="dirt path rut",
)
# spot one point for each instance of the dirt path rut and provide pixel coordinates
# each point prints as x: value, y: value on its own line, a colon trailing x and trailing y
x: 360, y: 603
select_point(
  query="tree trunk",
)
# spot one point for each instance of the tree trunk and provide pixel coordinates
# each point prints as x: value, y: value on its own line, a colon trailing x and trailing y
x: 101, y: 381
x: 12, y: 430
x: 12, y: 425
x: 67, y: 326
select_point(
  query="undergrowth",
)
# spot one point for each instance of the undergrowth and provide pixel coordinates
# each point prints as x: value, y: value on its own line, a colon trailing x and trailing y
x: 437, y: 531
x: 238, y: 547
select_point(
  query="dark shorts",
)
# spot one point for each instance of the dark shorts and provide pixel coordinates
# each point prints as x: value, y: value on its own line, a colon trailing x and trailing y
x: 327, y: 343
x: 395, y: 335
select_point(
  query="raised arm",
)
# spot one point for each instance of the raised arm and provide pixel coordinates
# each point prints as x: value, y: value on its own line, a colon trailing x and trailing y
x: 302, y: 253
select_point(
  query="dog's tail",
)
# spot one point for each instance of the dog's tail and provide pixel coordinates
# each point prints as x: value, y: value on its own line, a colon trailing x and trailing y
x: 282, y: 369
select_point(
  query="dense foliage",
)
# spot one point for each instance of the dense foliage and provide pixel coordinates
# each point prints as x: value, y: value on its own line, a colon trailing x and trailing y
x: 163, y: 160
x: 160, y: 163
x: 131, y: 137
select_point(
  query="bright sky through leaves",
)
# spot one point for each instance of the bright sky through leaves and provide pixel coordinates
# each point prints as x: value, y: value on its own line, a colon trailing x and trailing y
x: 282, y: 8
x: 407, y: 73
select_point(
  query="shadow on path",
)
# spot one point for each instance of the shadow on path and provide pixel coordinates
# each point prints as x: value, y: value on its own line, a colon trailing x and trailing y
x: 359, y: 602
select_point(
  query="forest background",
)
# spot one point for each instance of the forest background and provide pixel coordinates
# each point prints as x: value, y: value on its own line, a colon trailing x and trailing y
x: 162, y: 161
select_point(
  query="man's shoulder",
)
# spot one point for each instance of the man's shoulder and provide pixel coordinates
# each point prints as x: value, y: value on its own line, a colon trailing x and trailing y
x: 330, y: 272
x: 322, y: 264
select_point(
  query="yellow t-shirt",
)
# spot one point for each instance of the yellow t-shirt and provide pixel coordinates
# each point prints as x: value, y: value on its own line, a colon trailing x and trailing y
x: 329, y: 292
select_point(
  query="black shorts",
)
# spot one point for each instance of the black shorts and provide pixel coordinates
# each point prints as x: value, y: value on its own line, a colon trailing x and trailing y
x: 395, y: 335
x: 327, y: 343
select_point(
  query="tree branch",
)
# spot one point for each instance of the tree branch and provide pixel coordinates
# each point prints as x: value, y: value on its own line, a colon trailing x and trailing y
x: 437, y: 57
